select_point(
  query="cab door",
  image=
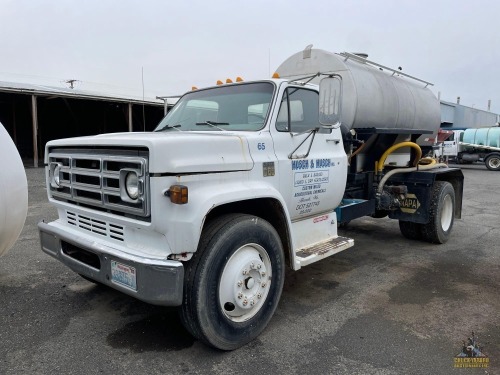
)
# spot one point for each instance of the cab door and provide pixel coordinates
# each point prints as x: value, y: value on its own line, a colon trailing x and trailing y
x: 311, y: 159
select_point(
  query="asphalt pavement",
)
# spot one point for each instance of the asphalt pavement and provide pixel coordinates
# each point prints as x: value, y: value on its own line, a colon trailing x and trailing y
x: 386, y: 306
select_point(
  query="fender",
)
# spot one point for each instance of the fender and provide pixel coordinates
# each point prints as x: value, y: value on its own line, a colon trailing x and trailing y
x: 184, y: 223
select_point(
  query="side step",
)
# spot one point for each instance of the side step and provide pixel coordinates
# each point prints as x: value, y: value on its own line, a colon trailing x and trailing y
x: 322, y: 250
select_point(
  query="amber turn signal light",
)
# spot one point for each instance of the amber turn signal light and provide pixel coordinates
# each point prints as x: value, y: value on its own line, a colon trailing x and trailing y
x: 178, y: 194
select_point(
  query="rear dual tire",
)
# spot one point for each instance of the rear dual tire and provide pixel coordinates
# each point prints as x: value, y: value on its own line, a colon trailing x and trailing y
x: 493, y: 162
x: 441, y: 216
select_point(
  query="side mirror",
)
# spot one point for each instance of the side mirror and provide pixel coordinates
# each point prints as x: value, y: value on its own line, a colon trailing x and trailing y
x: 330, y: 101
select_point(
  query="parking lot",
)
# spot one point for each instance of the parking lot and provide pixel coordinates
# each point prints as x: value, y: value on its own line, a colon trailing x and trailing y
x: 386, y: 306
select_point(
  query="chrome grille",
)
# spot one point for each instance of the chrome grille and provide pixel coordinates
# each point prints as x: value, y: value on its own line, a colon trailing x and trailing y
x: 98, y: 180
x: 97, y: 226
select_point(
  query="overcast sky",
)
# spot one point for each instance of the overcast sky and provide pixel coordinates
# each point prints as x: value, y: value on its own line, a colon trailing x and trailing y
x: 105, y: 44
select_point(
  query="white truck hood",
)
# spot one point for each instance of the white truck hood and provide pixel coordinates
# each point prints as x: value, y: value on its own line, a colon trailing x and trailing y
x: 176, y: 152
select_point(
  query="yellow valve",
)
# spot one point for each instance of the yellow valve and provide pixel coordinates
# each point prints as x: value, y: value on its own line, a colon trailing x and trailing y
x: 381, y: 161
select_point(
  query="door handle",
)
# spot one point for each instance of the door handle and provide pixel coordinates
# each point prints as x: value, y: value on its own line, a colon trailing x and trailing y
x: 336, y: 141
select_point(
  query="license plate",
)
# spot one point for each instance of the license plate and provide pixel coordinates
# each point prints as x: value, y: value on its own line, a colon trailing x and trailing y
x: 123, y: 275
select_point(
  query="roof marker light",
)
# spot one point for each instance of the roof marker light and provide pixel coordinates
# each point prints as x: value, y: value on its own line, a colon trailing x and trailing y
x: 194, y: 88
x: 219, y: 82
x: 239, y: 79
x: 276, y: 75
x: 229, y: 80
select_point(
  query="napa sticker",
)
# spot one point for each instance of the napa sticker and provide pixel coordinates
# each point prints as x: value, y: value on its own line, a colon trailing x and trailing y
x: 410, y: 204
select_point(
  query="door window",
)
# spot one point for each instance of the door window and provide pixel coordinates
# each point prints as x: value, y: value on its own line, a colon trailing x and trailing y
x: 299, y: 111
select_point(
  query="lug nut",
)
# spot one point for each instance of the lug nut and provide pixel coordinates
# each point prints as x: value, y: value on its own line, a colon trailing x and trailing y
x: 240, y: 295
x: 244, y: 272
x: 252, y: 265
x: 259, y: 295
x: 245, y: 302
x: 263, y: 285
x: 239, y: 283
x: 252, y: 302
x: 262, y: 274
x: 259, y: 266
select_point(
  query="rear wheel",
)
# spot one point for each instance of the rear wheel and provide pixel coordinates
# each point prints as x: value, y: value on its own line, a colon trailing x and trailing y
x: 234, y: 281
x: 493, y: 162
x: 412, y: 231
x: 441, y: 213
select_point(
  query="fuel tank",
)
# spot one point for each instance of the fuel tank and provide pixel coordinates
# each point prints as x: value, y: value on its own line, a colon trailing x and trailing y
x: 13, y: 192
x: 373, y: 96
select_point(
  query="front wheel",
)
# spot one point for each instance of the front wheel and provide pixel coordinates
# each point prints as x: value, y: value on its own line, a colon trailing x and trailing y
x: 493, y: 162
x: 233, y: 282
x: 441, y: 213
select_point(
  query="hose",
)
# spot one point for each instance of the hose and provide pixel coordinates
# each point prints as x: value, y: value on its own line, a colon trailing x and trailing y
x: 357, y: 151
x: 384, y: 156
x: 406, y: 170
x: 427, y: 161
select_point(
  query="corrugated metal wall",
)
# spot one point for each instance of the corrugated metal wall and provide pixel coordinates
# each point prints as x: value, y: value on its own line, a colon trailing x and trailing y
x: 456, y: 116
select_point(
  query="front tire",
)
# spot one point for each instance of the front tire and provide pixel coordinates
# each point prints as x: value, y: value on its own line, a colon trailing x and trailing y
x: 233, y: 282
x: 441, y: 213
x: 493, y: 162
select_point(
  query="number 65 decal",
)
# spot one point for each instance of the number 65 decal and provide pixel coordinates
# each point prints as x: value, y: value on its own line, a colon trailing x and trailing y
x: 261, y: 146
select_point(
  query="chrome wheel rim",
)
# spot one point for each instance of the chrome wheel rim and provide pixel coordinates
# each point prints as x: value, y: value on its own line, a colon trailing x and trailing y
x: 447, y: 213
x: 245, y: 282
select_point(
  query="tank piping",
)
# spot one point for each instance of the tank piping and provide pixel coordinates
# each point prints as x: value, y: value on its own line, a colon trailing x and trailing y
x: 406, y: 170
x: 381, y: 161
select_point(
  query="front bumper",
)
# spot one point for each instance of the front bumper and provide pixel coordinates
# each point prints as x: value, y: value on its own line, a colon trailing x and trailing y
x: 157, y: 281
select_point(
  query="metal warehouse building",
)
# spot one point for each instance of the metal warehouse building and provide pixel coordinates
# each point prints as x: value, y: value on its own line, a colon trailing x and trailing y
x: 35, y: 114
x: 455, y: 116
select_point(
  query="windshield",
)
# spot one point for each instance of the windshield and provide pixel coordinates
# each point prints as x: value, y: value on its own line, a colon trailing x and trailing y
x: 241, y: 107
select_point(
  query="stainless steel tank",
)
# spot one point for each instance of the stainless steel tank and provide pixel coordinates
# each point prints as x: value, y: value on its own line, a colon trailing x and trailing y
x: 373, y: 97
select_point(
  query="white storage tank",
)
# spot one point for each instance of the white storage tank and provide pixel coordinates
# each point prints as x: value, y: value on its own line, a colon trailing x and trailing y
x: 13, y: 192
x: 373, y: 97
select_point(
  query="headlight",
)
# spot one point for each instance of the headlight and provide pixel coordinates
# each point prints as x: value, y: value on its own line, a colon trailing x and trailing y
x: 132, y: 185
x: 55, y: 175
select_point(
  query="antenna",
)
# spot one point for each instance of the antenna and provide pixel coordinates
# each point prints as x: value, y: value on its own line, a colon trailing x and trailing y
x: 143, y: 114
x: 71, y: 83
x: 269, y: 63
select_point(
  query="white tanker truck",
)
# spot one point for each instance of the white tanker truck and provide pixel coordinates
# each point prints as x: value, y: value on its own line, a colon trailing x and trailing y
x: 242, y: 179
x: 13, y: 193
x: 473, y: 145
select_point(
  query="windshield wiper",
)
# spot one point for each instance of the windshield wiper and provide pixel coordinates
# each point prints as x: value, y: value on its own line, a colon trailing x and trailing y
x: 213, y: 124
x: 167, y: 127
